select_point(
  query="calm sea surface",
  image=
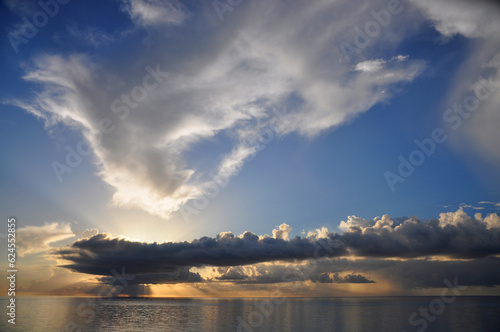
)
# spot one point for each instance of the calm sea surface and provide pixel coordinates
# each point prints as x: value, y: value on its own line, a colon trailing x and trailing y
x: 333, y: 314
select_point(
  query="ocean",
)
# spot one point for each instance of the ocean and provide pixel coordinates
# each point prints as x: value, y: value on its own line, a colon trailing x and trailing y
x: 397, y: 314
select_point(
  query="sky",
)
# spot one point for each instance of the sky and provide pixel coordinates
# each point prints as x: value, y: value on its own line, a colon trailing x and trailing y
x: 236, y: 147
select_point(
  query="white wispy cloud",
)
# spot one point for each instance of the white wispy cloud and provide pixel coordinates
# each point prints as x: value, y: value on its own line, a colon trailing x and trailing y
x: 35, y: 239
x: 468, y: 18
x: 494, y: 204
x: 90, y: 35
x: 154, y: 12
x: 370, y: 65
x: 21, y: 7
x: 400, y: 57
x: 224, y: 86
x: 477, y: 135
x: 471, y: 206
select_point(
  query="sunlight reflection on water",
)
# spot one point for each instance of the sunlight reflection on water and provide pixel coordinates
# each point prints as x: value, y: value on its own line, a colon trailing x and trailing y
x: 333, y: 314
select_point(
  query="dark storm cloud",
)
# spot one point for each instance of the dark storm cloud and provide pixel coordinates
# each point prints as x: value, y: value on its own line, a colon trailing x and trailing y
x: 420, y: 273
x: 170, y: 262
x: 180, y: 274
x: 100, y: 253
x: 278, y: 274
x: 351, y: 278
x: 234, y: 273
x: 429, y: 273
x: 407, y: 274
x: 453, y: 235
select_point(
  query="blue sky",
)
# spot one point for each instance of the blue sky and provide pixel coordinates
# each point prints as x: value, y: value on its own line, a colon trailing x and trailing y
x: 211, y: 115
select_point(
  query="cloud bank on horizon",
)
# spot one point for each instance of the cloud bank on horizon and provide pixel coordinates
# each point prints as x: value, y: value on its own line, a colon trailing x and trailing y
x: 142, y: 116
x: 455, y: 245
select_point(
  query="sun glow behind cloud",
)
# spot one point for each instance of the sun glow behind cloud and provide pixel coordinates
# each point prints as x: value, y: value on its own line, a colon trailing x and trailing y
x: 381, y: 256
x: 170, y: 119
x: 367, y: 252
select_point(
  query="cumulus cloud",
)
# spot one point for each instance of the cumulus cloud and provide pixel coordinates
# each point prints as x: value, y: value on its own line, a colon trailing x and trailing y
x: 400, y: 57
x: 285, y: 273
x: 35, y: 239
x: 89, y: 233
x: 283, y: 232
x: 370, y: 65
x: 231, y: 274
x: 454, y: 234
x: 142, y: 116
x: 253, y: 274
x: 319, y: 233
x: 336, y: 278
x: 353, y: 221
x: 492, y: 221
x: 352, y: 279
x: 405, y: 275
x: 169, y: 261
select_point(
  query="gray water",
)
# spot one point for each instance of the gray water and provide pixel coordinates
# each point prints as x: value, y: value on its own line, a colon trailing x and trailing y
x: 297, y: 314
